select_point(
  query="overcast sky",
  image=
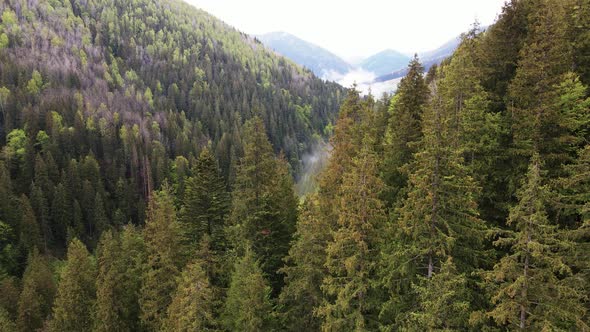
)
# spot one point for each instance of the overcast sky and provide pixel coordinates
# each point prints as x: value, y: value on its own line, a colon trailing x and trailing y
x: 358, y: 28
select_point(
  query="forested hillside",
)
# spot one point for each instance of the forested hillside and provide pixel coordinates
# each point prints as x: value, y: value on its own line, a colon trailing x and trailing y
x: 158, y: 146
x: 118, y: 97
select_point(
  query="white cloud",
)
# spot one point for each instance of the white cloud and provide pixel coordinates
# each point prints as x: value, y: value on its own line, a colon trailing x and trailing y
x: 353, y: 28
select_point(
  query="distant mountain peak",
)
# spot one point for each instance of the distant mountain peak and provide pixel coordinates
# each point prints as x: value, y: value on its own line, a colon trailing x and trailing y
x: 320, y: 61
x: 385, y: 62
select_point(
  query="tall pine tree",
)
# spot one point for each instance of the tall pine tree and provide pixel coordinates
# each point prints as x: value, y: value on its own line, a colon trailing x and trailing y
x: 206, y: 203
x: 162, y: 239
x: 405, y: 127
x: 264, y: 206
x: 533, y: 285
x: 248, y: 307
x: 191, y: 308
x: 351, y: 254
x: 73, y: 309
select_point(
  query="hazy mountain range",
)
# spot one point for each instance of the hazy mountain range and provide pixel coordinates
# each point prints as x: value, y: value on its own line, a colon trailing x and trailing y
x: 380, y: 71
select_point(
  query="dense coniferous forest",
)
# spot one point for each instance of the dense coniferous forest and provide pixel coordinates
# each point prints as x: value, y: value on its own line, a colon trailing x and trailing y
x: 149, y: 154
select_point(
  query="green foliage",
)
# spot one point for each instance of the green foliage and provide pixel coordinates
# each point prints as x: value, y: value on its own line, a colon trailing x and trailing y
x: 351, y: 255
x: 6, y: 324
x: 162, y: 241
x: 534, y: 288
x: 38, y: 291
x: 264, y: 208
x: 248, y: 307
x: 206, y: 204
x: 443, y: 302
x: 191, y: 308
x: 404, y: 128
x: 30, y: 237
x: 76, y: 293
x: 16, y: 144
x: 305, y: 270
x: 35, y: 84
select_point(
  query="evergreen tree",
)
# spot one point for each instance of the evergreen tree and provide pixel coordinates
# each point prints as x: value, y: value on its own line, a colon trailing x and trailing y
x: 305, y: 270
x: 405, y: 126
x: 443, y: 301
x: 34, y: 303
x: 30, y: 236
x: 247, y: 306
x: 73, y: 309
x: 533, y: 285
x: 264, y: 208
x: 206, y: 203
x: 60, y: 214
x: 191, y: 308
x: 40, y: 206
x: 99, y: 216
x: 133, y: 256
x: 110, y: 309
x: 6, y: 323
x: 351, y: 254
x: 162, y: 240
x: 437, y: 219
x: 545, y: 57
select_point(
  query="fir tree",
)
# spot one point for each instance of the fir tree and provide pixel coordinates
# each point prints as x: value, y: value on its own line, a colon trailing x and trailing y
x: 443, y: 301
x: 305, y: 270
x: 36, y: 298
x: 351, y: 254
x: 533, y: 284
x: 438, y: 218
x: 60, y: 214
x: 405, y: 126
x: 110, y: 308
x: 76, y: 292
x: 206, y: 203
x: 191, y: 308
x: 162, y: 240
x: 264, y: 208
x: 6, y: 323
x: 133, y: 259
x: 247, y: 306
x: 545, y: 57
x: 30, y: 237
x: 99, y: 216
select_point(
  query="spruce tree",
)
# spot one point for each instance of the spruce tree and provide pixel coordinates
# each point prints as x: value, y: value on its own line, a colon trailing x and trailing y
x: 247, y: 306
x: 533, y: 285
x: 30, y: 236
x: 73, y: 309
x: 443, y: 301
x: 206, y: 203
x: 110, y: 308
x: 405, y: 126
x: 191, y: 308
x: 304, y: 269
x: 60, y: 215
x: 264, y: 208
x: 133, y: 256
x: 351, y: 254
x: 6, y: 323
x: 438, y: 218
x: 36, y: 298
x: 164, y: 252
x: 545, y: 57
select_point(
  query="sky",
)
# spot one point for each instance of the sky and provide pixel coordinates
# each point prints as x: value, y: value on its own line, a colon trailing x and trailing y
x: 355, y: 29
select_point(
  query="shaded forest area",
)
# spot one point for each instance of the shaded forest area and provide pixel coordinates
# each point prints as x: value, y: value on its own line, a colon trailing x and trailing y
x: 162, y: 157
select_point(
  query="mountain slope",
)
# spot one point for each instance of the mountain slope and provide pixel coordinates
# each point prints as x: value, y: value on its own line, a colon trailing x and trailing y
x: 141, y: 88
x: 385, y: 62
x: 319, y: 60
x: 110, y: 53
